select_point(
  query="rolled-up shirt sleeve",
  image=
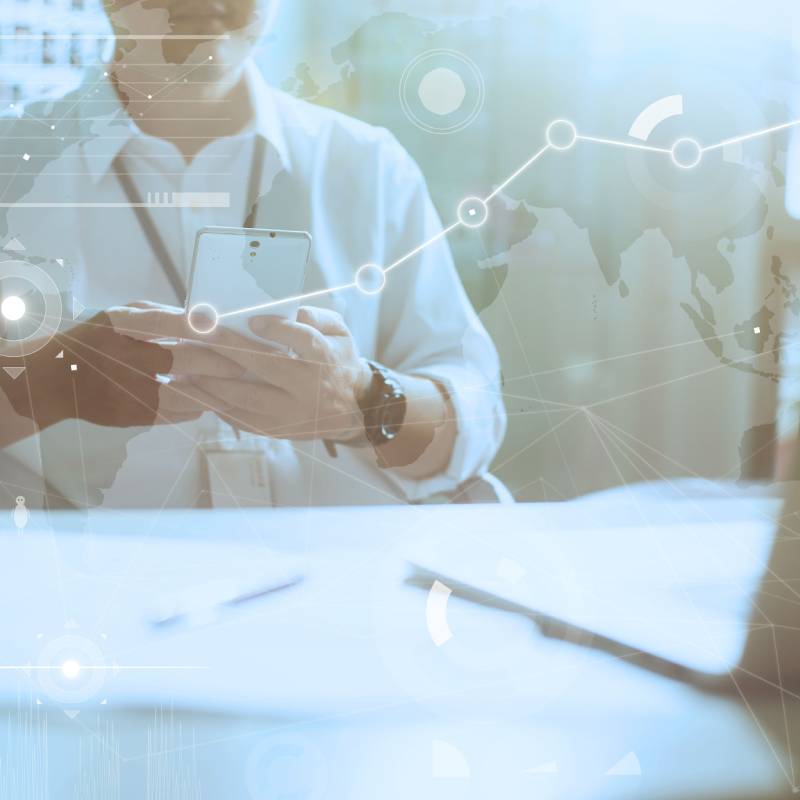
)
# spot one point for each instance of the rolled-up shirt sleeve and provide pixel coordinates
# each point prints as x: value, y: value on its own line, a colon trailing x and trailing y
x: 428, y: 328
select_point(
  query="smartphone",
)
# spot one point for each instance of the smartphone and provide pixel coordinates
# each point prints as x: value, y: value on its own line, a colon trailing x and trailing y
x: 239, y: 273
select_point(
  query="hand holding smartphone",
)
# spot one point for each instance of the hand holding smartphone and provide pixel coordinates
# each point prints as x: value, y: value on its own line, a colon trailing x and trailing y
x: 239, y: 273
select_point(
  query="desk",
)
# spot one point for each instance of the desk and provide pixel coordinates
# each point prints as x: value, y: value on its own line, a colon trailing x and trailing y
x: 357, y: 702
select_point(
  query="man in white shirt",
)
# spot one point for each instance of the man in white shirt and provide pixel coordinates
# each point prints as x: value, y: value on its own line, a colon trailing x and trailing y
x: 391, y: 397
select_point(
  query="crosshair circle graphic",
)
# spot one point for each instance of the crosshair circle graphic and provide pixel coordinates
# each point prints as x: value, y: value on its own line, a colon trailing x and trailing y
x: 32, y: 311
x: 442, y: 91
x: 73, y: 669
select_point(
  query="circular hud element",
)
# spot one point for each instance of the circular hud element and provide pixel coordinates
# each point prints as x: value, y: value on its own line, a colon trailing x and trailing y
x: 442, y: 91
x: 72, y: 669
x: 31, y: 308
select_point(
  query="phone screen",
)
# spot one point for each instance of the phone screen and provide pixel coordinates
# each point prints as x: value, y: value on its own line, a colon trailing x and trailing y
x: 241, y: 272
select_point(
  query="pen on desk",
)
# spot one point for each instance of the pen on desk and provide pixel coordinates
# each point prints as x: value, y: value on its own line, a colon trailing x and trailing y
x: 227, y: 603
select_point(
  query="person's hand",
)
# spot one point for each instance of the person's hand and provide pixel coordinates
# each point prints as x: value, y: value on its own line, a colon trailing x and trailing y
x: 109, y: 374
x: 310, y: 393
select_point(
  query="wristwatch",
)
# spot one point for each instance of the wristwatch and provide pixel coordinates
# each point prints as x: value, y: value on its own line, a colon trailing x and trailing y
x: 383, y: 406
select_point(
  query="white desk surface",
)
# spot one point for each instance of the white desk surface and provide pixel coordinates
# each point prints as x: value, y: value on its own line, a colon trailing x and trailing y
x: 352, y: 699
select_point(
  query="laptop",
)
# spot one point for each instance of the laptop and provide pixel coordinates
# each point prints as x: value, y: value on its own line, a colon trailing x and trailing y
x: 710, y: 597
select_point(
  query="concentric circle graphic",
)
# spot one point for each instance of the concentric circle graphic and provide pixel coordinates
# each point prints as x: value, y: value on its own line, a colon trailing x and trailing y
x: 31, y: 308
x: 72, y: 669
x: 442, y: 91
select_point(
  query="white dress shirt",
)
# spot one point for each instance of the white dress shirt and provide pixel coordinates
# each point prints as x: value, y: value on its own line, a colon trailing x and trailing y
x: 350, y: 185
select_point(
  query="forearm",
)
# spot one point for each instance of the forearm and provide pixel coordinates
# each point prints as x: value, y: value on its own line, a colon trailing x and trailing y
x: 36, y: 399
x: 424, y: 445
x: 14, y: 426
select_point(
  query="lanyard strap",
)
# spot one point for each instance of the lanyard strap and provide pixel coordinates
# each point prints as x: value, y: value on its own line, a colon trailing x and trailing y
x: 151, y: 232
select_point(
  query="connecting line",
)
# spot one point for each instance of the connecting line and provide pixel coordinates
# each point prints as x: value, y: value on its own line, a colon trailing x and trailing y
x: 756, y: 135
x: 296, y: 299
x: 629, y: 145
x: 417, y: 250
x: 516, y: 175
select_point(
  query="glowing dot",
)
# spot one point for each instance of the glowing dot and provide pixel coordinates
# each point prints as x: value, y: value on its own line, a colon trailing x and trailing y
x: 370, y: 279
x: 13, y: 308
x: 561, y: 134
x: 71, y: 669
x: 203, y: 318
x: 149, y: 97
x: 756, y: 329
x: 211, y: 58
x: 686, y: 153
x: 473, y: 212
x: 26, y: 156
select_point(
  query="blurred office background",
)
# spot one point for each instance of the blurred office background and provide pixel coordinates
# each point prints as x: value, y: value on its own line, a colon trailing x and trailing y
x: 646, y: 316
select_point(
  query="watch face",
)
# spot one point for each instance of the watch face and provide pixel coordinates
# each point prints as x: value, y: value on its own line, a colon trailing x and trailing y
x: 393, y: 416
x: 383, y: 407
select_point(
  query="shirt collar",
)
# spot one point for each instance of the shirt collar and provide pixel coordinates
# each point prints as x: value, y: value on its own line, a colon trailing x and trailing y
x: 267, y: 122
x: 107, y: 126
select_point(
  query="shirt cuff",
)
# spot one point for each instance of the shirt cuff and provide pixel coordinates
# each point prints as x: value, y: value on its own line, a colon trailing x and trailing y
x: 480, y: 426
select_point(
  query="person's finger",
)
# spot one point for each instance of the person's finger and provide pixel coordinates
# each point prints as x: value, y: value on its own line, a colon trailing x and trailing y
x: 325, y: 320
x: 165, y: 417
x: 145, y: 357
x: 193, y: 358
x: 186, y: 398
x: 248, y: 396
x: 258, y: 358
x: 149, y: 304
x: 306, y: 341
x: 269, y: 425
x: 106, y: 349
x: 148, y: 323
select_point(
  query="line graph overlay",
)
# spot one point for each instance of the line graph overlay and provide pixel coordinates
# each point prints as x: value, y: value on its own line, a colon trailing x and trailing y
x: 561, y: 135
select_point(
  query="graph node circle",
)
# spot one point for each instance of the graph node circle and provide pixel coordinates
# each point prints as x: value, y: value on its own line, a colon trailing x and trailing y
x: 686, y: 153
x: 203, y: 319
x: 561, y: 134
x: 473, y: 212
x: 370, y: 279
